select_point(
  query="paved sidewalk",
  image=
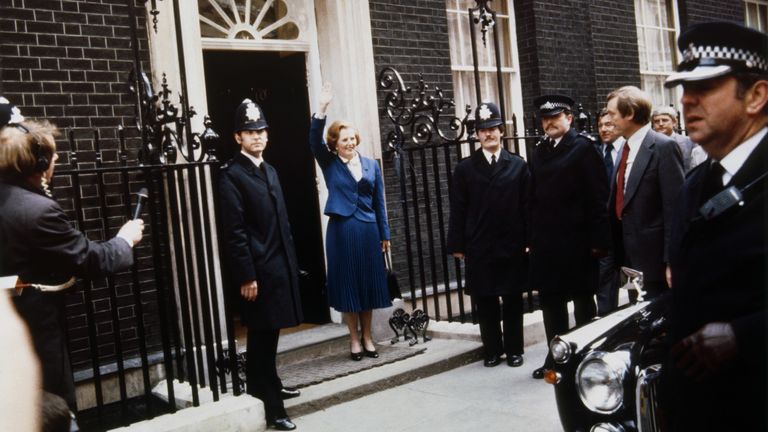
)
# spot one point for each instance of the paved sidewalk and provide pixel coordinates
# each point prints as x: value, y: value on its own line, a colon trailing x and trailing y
x: 469, y: 398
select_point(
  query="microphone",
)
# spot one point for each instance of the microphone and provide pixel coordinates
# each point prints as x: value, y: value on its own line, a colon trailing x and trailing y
x: 141, y: 195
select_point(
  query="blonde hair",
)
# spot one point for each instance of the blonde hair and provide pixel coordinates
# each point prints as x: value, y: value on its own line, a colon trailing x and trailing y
x: 334, y: 130
x: 23, y: 146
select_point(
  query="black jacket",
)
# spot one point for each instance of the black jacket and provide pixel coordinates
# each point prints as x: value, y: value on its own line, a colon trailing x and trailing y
x: 487, y: 220
x: 720, y: 274
x: 41, y: 245
x: 258, y: 244
x: 568, y: 215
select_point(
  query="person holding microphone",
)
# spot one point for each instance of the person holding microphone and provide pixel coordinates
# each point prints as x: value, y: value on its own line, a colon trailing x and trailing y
x: 39, y: 244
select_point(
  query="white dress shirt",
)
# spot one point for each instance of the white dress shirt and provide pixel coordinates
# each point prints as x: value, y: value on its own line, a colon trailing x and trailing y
x: 634, y: 142
x: 488, y: 155
x: 256, y: 161
x: 354, y: 166
x: 733, y: 161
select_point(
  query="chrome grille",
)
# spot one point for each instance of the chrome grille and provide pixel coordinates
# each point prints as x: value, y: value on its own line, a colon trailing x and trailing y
x: 646, y: 400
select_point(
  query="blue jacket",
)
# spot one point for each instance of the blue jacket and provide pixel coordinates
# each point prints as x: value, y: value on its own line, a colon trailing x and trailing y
x: 364, y: 199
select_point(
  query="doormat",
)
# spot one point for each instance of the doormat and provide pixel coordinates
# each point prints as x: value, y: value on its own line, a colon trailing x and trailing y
x: 326, y: 368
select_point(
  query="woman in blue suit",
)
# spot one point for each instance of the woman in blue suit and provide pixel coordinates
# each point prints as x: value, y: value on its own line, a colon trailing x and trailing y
x: 357, y: 232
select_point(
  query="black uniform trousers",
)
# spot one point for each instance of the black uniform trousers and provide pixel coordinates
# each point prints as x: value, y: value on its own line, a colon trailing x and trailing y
x: 261, y: 371
x: 554, y: 307
x: 489, y: 313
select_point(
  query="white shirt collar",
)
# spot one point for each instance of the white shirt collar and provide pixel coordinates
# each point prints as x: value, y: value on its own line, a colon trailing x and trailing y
x: 488, y: 154
x: 636, y: 139
x: 733, y: 161
x: 354, y: 161
x: 256, y: 161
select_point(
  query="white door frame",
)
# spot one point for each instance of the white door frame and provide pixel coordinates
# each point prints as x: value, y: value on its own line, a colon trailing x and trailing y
x: 334, y: 34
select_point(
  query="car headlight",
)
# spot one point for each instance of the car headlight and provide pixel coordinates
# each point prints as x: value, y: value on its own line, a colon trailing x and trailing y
x: 600, y: 380
x: 560, y: 349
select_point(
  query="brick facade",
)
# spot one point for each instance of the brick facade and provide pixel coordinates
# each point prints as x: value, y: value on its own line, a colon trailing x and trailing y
x: 581, y: 48
x: 697, y: 11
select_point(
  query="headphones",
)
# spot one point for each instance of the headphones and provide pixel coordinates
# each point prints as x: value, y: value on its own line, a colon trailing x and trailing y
x: 41, y: 162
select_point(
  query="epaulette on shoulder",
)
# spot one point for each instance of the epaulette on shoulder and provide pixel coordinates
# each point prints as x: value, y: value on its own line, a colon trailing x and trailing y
x: 695, y: 169
x: 225, y: 165
x: 587, y: 136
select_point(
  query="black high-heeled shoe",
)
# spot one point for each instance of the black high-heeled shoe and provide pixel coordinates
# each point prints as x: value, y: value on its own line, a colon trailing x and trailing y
x: 356, y: 356
x: 371, y: 354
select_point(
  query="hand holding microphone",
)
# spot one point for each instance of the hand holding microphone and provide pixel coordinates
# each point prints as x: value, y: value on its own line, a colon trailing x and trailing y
x: 132, y: 230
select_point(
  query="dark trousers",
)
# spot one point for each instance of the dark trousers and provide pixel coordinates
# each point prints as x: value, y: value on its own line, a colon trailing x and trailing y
x: 261, y: 371
x: 555, y: 310
x: 489, y: 313
x: 607, y: 286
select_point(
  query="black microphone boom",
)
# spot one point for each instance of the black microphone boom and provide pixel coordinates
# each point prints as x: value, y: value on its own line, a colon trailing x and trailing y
x: 142, y: 195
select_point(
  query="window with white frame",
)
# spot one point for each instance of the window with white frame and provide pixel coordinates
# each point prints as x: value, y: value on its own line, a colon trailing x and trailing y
x: 462, y: 66
x: 657, y: 31
x: 756, y: 14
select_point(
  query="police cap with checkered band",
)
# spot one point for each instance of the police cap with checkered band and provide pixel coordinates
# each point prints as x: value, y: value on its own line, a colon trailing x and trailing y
x: 716, y: 49
x: 249, y: 116
x: 552, y: 105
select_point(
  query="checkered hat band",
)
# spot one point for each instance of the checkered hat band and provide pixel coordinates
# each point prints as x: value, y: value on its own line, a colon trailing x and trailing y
x: 553, y: 105
x: 748, y: 58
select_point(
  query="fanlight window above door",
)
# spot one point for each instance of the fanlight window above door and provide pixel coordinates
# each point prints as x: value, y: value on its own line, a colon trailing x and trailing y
x: 247, y: 20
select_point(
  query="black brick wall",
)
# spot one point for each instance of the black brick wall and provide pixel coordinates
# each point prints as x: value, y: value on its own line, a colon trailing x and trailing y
x: 69, y: 62
x: 696, y: 11
x: 614, y: 41
x: 581, y: 48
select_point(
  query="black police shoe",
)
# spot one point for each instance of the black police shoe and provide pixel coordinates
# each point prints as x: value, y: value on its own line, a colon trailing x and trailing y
x: 289, y: 392
x: 282, y: 424
x: 492, y: 361
x: 514, y: 360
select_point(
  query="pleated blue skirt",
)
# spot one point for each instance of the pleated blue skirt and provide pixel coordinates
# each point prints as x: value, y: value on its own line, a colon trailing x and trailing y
x: 357, y: 279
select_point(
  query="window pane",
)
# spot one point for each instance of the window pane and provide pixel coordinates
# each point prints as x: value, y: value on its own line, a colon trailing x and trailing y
x: 756, y: 14
x: 642, y: 49
x: 654, y: 90
x: 466, y: 4
x: 662, y: 12
x: 461, y: 57
x: 453, y: 36
x: 502, y: 26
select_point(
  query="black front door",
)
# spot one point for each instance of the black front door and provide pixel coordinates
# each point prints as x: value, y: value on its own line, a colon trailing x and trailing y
x: 278, y: 83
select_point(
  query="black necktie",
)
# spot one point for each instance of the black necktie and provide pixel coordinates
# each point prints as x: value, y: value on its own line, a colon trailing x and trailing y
x: 493, y: 161
x: 548, y: 145
x: 608, y: 159
x: 713, y: 182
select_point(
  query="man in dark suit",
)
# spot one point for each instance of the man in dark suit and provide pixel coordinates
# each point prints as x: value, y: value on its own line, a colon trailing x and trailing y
x: 568, y: 219
x: 39, y: 244
x: 609, y: 147
x: 648, y: 178
x: 260, y: 258
x: 718, y: 371
x: 487, y: 230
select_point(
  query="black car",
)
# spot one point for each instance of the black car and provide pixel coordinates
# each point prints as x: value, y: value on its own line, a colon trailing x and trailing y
x: 606, y: 371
